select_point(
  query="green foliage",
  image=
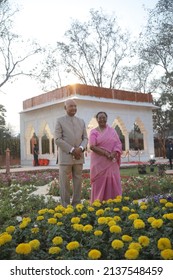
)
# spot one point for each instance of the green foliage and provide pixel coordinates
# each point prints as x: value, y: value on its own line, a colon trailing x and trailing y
x: 99, y: 231
x: 40, y: 225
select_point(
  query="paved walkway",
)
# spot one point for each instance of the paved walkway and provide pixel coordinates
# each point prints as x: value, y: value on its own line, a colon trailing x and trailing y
x: 43, y: 190
x: 86, y: 167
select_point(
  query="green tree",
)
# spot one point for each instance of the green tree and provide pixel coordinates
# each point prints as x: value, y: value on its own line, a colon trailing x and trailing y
x: 157, y: 45
x: 94, y: 51
x: 3, y: 130
x: 163, y: 121
x: 12, y: 60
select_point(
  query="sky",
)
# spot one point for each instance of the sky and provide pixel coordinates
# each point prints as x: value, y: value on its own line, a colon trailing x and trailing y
x: 41, y: 20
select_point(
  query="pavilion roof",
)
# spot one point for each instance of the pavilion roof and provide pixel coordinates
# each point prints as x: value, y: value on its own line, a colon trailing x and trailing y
x: 86, y: 90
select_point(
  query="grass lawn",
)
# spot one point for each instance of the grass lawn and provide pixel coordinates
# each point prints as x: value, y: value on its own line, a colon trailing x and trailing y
x: 133, y: 171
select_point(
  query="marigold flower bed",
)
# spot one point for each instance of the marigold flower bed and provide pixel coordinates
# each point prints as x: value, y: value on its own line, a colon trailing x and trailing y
x: 113, y: 230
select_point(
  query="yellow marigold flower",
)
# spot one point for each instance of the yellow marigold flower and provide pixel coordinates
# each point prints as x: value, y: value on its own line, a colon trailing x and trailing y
x: 167, y: 254
x: 169, y: 205
x: 109, y: 219
x: 125, y: 209
x: 87, y: 228
x: 90, y: 209
x: 94, y: 254
x: 78, y: 227
x: 117, y: 218
x: 164, y: 243
x: 23, y: 249
x: 144, y: 240
x: 96, y: 203
x: 79, y: 207
x: 51, y: 211
x: 57, y: 240
x: 68, y: 210
x: 138, y: 224
x: 107, y: 209
x: 117, y: 244
x: 70, y: 206
x: 157, y: 223
x: 5, y: 238
x: 52, y: 221
x: 116, y: 209
x: 35, y: 244
x: 110, y: 200
x: 54, y: 250
x: 135, y: 245
x: 119, y: 196
x: 163, y: 200
x: 133, y: 216
x: 35, y: 230
x: 26, y: 219
x: 99, y: 212
x: 72, y: 245
x: 40, y: 218
x: 143, y: 207
x: 169, y: 216
x: 23, y: 225
x: 143, y: 203
x: 164, y: 216
x: 126, y: 238
x: 131, y: 254
x: 75, y: 220
x: 10, y: 229
x: 117, y: 200
x: 58, y: 215
x: 150, y: 219
x: 132, y: 210
x: 126, y: 198
x: 42, y: 211
x: 84, y: 215
x: 102, y: 220
x: 59, y: 208
x: 98, y: 232
x: 111, y: 223
x: 59, y: 223
x: 115, y: 229
x: 135, y: 201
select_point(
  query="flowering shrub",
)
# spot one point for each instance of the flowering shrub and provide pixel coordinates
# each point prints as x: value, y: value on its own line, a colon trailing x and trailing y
x: 146, y: 186
x: 122, y: 228
x: 37, y: 178
x: 119, y: 228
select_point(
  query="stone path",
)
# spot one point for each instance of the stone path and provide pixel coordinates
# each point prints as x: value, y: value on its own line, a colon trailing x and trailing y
x: 43, y: 190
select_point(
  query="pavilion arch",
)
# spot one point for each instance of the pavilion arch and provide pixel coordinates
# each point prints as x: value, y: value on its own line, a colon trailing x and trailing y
x: 141, y: 125
x: 139, y: 137
x: 28, y: 138
x: 46, y: 139
x: 119, y: 122
x: 45, y: 129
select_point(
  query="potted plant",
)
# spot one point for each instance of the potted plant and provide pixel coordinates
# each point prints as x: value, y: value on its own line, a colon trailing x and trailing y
x: 142, y: 168
x: 152, y: 162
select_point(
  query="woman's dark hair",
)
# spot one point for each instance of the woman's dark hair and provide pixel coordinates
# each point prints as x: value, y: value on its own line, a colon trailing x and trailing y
x: 101, y: 113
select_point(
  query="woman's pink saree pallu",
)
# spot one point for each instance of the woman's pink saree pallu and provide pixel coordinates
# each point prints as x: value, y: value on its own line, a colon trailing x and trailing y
x: 104, y: 173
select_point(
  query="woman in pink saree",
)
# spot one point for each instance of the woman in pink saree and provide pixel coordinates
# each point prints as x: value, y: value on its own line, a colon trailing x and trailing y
x: 106, y: 149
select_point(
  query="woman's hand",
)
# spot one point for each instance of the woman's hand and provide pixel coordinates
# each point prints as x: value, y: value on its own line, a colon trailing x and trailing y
x: 107, y: 154
x: 114, y: 155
